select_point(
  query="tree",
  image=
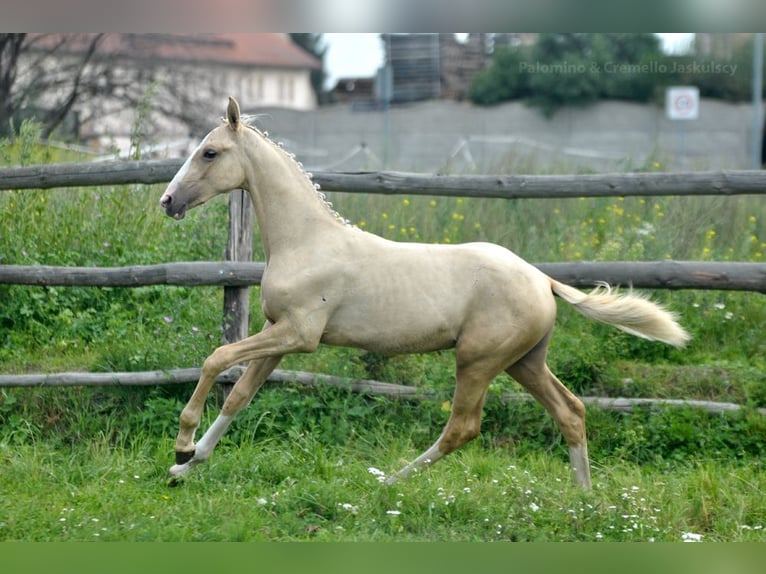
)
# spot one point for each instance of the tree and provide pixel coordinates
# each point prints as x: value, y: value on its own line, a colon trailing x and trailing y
x: 571, y: 69
x: 36, y: 79
x: 10, y: 49
x: 505, y: 79
x: 314, y: 45
x: 588, y: 67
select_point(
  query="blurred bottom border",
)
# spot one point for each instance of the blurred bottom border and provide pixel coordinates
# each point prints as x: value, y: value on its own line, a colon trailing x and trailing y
x: 371, y: 558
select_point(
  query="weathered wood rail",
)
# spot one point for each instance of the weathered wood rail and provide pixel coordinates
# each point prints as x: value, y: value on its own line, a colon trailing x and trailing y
x: 311, y: 380
x: 191, y: 375
x: 734, y: 182
x: 725, y: 276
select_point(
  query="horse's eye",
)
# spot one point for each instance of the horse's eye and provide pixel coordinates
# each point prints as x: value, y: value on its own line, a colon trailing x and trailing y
x: 209, y: 154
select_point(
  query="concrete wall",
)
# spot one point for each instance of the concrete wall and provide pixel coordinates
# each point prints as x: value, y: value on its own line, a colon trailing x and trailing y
x: 447, y: 136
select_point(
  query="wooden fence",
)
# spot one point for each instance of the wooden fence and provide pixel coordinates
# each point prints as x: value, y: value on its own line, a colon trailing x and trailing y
x: 238, y: 272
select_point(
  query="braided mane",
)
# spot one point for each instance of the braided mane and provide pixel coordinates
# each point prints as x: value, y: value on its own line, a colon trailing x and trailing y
x: 247, y: 121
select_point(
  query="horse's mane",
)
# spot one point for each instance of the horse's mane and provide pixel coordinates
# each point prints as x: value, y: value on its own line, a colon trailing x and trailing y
x: 249, y: 120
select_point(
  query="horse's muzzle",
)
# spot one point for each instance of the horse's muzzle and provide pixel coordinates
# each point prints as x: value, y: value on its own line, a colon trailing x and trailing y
x: 171, y: 208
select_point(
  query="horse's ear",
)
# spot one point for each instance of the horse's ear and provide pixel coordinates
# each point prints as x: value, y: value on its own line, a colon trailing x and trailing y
x: 232, y: 114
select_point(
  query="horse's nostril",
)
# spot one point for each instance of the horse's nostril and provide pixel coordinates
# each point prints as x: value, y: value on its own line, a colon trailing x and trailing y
x: 166, y: 200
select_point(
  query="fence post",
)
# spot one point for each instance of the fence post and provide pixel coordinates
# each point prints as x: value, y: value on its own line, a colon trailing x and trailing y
x: 236, y: 300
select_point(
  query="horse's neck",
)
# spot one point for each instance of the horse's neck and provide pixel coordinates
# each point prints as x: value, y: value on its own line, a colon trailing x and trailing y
x: 290, y: 212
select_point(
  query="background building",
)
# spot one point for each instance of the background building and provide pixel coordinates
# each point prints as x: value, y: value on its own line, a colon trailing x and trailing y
x: 166, y: 89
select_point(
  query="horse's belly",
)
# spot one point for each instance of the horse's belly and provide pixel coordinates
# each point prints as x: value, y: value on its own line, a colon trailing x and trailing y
x: 390, y: 338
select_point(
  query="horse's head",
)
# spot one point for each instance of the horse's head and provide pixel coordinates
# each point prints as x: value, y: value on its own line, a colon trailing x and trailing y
x: 215, y: 167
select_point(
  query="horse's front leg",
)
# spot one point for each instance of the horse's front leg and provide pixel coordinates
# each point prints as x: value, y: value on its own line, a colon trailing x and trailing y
x: 271, y: 343
x: 240, y: 396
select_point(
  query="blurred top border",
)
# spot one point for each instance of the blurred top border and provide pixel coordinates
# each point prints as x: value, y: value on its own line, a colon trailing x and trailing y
x: 382, y: 16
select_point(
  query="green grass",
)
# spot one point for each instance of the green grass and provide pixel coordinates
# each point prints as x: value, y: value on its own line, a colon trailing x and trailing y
x: 301, y: 488
x: 86, y: 464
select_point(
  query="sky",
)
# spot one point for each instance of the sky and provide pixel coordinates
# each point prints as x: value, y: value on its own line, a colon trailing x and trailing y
x: 360, y: 55
x: 352, y: 55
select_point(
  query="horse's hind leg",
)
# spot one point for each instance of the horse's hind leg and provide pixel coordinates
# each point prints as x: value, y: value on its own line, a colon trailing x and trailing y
x: 465, y: 417
x: 565, y: 408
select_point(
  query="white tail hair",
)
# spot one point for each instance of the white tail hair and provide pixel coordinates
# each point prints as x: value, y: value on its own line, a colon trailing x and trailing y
x: 632, y: 313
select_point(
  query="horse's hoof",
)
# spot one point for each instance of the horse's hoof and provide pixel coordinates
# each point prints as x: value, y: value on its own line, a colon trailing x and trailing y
x: 184, y: 457
x: 175, y: 474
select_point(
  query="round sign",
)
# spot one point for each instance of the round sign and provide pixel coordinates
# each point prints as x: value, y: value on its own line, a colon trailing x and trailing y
x: 682, y: 103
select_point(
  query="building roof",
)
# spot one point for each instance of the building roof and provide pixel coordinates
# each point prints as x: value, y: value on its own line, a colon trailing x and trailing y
x: 244, y: 49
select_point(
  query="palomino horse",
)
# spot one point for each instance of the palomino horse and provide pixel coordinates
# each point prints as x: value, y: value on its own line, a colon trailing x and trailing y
x: 329, y: 282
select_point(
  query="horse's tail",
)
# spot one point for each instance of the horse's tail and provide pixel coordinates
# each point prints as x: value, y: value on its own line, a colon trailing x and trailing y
x: 629, y: 312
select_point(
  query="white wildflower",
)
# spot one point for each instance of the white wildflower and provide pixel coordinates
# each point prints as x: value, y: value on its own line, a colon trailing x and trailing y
x: 378, y: 474
x: 349, y: 507
x: 393, y: 512
x: 534, y: 507
x: 691, y: 537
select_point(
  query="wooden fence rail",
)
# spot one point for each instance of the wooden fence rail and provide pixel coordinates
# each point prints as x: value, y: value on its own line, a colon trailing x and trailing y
x: 725, y: 276
x: 735, y: 182
x: 363, y: 386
